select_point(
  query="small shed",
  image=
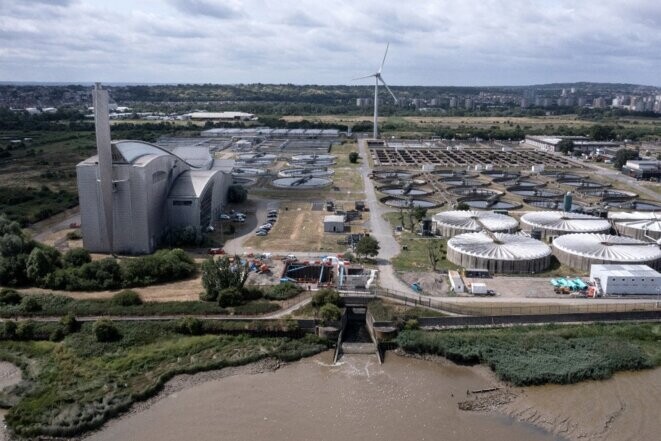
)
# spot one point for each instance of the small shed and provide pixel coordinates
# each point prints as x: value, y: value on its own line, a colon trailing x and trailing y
x: 334, y: 223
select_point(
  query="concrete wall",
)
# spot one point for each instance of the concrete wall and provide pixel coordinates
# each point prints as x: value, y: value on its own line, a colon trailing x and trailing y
x: 499, y: 266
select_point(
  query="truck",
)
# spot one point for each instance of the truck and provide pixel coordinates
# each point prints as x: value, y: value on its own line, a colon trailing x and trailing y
x: 478, y: 288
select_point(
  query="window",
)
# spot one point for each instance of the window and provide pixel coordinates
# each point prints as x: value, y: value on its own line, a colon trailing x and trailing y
x: 184, y: 203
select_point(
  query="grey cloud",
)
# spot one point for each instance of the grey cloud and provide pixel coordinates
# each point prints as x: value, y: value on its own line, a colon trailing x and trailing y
x: 206, y: 8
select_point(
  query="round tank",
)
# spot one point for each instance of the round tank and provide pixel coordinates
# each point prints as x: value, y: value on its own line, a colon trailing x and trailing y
x: 305, y: 171
x: 302, y: 183
x: 396, y: 202
x: 642, y: 229
x: 582, y: 250
x: 452, y: 223
x: 557, y: 223
x: 499, y: 252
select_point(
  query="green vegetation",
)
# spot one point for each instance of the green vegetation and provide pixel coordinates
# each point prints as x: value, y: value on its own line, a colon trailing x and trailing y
x: 283, y: 291
x: 223, y: 273
x: 566, y: 146
x: 367, y: 246
x: 326, y: 297
x: 622, y: 156
x: 78, y: 383
x: 126, y: 298
x: 28, y: 205
x: 550, y: 354
x: 237, y: 194
x: 330, y: 313
x: 399, y: 314
x: 419, y: 252
x: 353, y: 157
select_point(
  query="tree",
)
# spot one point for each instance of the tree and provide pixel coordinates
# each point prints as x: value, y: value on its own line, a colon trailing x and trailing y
x: 602, y: 133
x: 105, y: 331
x: 367, y: 246
x: 231, y: 296
x: 329, y: 313
x: 189, y: 326
x: 223, y: 273
x: 69, y: 323
x: 622, y: 156
x: 419, y: 213
x: 353, y: 157
x: 41, y: 262
x: 237, y: 194
x: 325, y: 297
x: 126, y: 297
x: 9, y: 297
x: 30, y: 304
x: 76, y: 257
x: 566, y: 146
x: 463, y: 206
x: 434, y: 252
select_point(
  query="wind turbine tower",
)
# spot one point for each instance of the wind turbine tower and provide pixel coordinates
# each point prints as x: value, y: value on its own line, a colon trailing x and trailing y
x: 377, y: 77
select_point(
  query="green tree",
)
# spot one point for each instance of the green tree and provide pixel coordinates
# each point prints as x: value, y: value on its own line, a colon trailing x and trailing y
x: 566, y: 146
x: 230, y: 296
x: 325, y: 297
x: 189, y: 326
x: 30, y: 304
x: 10, y: 297
x: 126, y: 297
x: 463, y: 206
x: 367, y: 246
x: 70, y: 323
x: 41, y: 262
x: 223, y: 273
x: 105, y: 331
x: 434, y: 252
x: 602, y: 133
x: 76, y: 257
x: 330, y: 313
x: 353, y: 157
x: 419, y: 213
x: 622, y: 156
x: 237, y: 194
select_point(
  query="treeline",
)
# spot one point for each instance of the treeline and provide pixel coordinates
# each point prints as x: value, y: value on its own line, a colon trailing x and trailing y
x: 24, y: 262
x: 27, y: 205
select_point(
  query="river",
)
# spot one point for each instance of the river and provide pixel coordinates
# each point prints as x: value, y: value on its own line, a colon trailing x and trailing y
x: 403, y: 399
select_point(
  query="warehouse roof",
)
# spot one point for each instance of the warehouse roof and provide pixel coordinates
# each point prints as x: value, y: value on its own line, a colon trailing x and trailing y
x: 334, y: 218
x: 626, y: 270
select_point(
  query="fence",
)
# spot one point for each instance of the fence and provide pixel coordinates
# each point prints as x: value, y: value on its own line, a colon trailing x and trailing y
x: 477, y: 308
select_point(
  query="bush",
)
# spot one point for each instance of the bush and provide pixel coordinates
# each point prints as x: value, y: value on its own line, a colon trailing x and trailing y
x: 353, y: 157
x: 10, y: 297
x: 9, y: 329
x: 230, y: 297
x: 251, y: 293
x: 105, y: 331
x: 256, y: 308
x: 76, y: 257
x: 162, y: 266
x: 326, y: 297
x: 126, y: 298
x: 189, y: 326
x: 70, y: 324
x: 237, y: 194
x: 57, y: 335
x: 30, y: 304
x: 283, y: 291
x: 74, y: 235
x: 25, y: 330
x: 411, y: 324
x: 329, y: 313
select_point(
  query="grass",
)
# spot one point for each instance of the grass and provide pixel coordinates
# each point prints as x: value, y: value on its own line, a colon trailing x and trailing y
x: 53, y: 305
x: 393, y: 312
x: 72, y: 386
x: 551, y: 354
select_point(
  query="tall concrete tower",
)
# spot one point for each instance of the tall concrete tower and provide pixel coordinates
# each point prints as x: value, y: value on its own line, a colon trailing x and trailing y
x: 102, y: 125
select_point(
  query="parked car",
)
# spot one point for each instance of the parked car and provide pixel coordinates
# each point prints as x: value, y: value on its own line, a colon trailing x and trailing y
x: 74, y: 225
x: 266, y: 227
x: 215, y: 251
x: 224, y: 217
x: 289, y: 257
x: 261, y: 233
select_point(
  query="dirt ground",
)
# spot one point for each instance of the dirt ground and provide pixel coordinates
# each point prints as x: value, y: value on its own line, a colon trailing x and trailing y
x: 516, y: 287
x: 433, y: 284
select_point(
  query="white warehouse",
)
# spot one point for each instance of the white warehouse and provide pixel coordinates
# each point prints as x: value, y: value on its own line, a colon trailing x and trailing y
x: 626, y: 279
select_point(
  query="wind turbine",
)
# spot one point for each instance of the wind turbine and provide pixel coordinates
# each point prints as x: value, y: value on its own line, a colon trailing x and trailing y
x: 377, y: 77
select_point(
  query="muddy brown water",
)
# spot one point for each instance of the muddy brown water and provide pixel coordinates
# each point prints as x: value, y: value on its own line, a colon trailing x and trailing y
x: 403, y: 399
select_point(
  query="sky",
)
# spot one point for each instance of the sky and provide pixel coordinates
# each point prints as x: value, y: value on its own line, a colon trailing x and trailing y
x: 432, y: 43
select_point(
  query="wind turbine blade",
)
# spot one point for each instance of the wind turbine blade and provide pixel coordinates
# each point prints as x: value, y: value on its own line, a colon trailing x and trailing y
x: 362, y: 78
x: 384, y: 57
x: 393, y: 95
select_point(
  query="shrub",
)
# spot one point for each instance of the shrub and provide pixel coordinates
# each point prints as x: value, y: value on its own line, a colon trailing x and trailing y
x: 41, y: 262
x: 283, y: 291
x: 105, y: 331
x: 162, y: 266
x: 9, y: 329
x: 329, y: 313
x: 25, y: 330
x: 30, y: 304
x: 126, y: 297
x: 74, y: 235
x: 230, y: 297
x: 251, y: 293
x: 411, y: 324
x: 189, y: 326
x: 10, y: 297
x: 353, y: 157
x: 237, y: 194
x: 57, y: 335
x: 76, y: 257
x: 256, y: 308
x: 326, y: 296
x: 70, y: 324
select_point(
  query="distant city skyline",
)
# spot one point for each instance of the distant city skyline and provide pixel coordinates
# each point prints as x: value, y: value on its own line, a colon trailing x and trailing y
x: 440, y: 43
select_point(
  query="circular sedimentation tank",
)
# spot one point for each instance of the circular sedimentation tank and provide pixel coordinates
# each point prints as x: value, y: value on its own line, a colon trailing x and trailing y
x: 553, y: 204
x: 582, y: 250
x: 396, y: 202
x: 559, y: 175
x: 248, y: 171
x: 406, y: 190
x: 647, y: 229
x: 452, y: 223
x: 556, y: 223
x: 462, y: 182
x: 392, y: 174
x: 305, y: 171
x: 608, y: 194
x: 313, y: 158
x: 539, y: 192
x: 499, y: 252
x: 491, y: 204
x: 500, y: 176
x: 448, y: 173
x: 637, y: 205
x: 473, y: 191
x: 581, y: 183
x: 302, y: 183
x: 246, y: 182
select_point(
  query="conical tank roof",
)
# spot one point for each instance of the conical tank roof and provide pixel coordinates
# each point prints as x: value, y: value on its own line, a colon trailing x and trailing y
x: 565, y: 221
x: 608, y: 247
x: 499, y: 246
x: 471, y: 220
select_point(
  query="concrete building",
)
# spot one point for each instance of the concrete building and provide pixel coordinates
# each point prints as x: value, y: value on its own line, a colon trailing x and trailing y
x: 334, y: 223
x: 222, y: 116
x: 132, y: 193
x: 582, y: 144
x: 648, y: 169
x: 626, y: 279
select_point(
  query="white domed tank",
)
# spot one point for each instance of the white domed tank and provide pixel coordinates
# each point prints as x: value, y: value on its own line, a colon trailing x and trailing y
x: 451, y: 223
x: 556, y: 223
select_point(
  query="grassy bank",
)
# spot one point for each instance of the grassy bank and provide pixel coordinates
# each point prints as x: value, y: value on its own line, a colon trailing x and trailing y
x: 52, y: 305
x: 76, y: 384
x: 550, y: 354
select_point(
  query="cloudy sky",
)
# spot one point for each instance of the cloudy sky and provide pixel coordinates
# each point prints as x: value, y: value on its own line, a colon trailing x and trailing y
x: 433, y: 42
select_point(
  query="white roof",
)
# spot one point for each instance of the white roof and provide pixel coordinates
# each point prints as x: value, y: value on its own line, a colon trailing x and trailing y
x: 565, y: 221
x: 625, y: 270
x: 220, y: 115
x: 334, y: 218
x: 607, y: 247
x: 191, y: 184
x: 505, y: 247
x: 475, y: 220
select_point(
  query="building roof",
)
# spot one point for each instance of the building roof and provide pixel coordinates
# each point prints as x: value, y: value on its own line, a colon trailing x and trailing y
x: 625, y: 270
x: 565, y: 221
x: 220, y: 115
x: 334, y: 218
x: 607, y: 247
x: 191, y: 183
x: 195, y: 156
x: 504, y: 247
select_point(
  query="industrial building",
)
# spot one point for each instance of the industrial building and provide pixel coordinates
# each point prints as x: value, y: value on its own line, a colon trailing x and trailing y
x: 452, y: 223
x: 581, y: 251
x: 619, y: 280
x: 551, y: 224
x: 221, y: 116
x: 132, y: 193
x: 582, y: 144
x: 499, y: 252
x: 334, y: 223
x: 649, y: 169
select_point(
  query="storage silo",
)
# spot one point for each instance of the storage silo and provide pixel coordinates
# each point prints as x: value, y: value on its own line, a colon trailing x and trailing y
x: 557, y: 223
x: 499, y: 252
x: 451, y: 223
x: 581, y: 250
